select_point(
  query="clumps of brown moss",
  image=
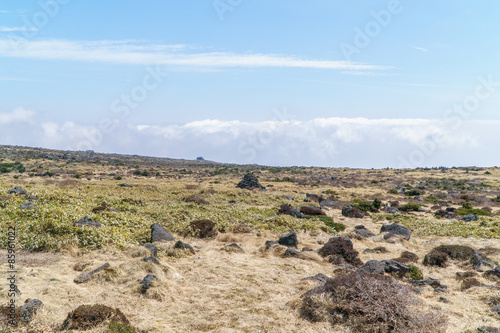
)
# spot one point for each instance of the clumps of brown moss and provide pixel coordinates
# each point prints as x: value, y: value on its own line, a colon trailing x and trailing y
x: 340, y: 250
x: 440, y: 255
x: 89, y: 316
x: 370, y: 303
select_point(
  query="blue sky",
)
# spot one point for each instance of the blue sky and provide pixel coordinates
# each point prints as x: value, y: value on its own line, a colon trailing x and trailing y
x: 274, y: 82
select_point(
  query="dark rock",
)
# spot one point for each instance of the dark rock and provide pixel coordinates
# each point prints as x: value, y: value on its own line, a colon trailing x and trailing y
x: 314, y: 197
x: 396, y: 229
x: 306, y: 249
x: 270, y: 244
x: 181, y: 245
x: 434, y: 283
x: 311, y: 210
x: 395, y: 267
x: 159, y: 233
x: 32, y: 197
x: 232, y: 201
x: 250, y: 182
x: 440, y: 290
x: 384, y: 266
x: 200, y: 158
x: 28, y: 205
x: 147, y: 282
x: 206, y: 228
x: 84, y: 277
x: 494, y: 272
x: 151, y: 259
x: 363, y: 232
x: 289, y: 210
x: 392, y: 210
x: 152, y: 248
x: 443, y: 300
x: 289, y: 240
x: 86, y: 222
x: 488, y: 329
x: 469, y: 217
x: 320, y: 278
x: 479, y: 263
x: 307, y: 200
x: 373, y: 267
x: 125, y: 185
x: 29, y: 309
x: 464, y: 275
x: 291, y: 253
x: 17, y: 190
x: 234, y: 248
x: 496, y: 309
x: 328, y: 203
x: 349, y: 211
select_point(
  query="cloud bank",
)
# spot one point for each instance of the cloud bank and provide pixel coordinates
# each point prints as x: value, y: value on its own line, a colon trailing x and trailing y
x: 143, y: 53
x: 335, y: 142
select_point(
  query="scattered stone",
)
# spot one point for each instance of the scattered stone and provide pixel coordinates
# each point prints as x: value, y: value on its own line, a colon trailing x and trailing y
x: 306, y: 249
x: 289, y: 240
x: 29, y: 309
x: 349, y: 211
x: 392, y: 210
x: 363, y: 232
x: 125, y: 185
x: 496, y: 309
x: 200, y: 158
x: 288, y: 197
x: 465, y: 275
x: 396, y: 229
x: 32, y: 197
x: 233, y: 248
x: 373, y: 267
x: 152, y: 248
x: 151, y: 259
x: 469, y: 217
x: 434, y: 283
x: 291, y: 253
x: 87, y: 222
x: 479, y: 263
x: 440, y: 290
x: 270, y: 244
x: 17, y: 190
x: 206, y: 228
x: 494, y: 272
x: 384, y: 266
x: 84, y: 277
x: 86, y: 317
x: 320, y: 278
x: 287, y: 209
x: 314, y: 197
x: 250, y: 182
x: 328, y: 203
x: 443, y: 300
x: 181, y: 245
x: 147, y: 282
x: 232, y: 201
x: 159, y: 233
x: 488, y: 329
x: 28, y: 205
x: 311, y: 210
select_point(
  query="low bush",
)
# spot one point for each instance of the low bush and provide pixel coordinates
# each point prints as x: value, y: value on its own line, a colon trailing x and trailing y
x: 370, y: 303
x: 410, y: 206
x: 414, y: 273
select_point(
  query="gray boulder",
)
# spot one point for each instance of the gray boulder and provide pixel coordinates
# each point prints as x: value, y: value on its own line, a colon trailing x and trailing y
x: 86, y: 222
x: 289, y: 240
x: 158, y: 233
x: 396, y: 229
x: 349, y: 211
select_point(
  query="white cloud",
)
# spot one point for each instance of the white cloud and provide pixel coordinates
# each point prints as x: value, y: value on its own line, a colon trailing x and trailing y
x: 12, y: 29
x: 354, y: 142
x: 19, y: 115
x: 134, y: 52
x: 423, y: 49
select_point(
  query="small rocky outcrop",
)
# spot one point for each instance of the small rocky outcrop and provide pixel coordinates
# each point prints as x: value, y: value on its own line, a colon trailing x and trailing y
x: 85, y: 277
x: 481, y: 264
x: 396, y: 229
x: 147, y: 282
x: 289, y: 240
x: 87, y: 222
x: 125, y: 185
x: 352, y: 212
x: 363, y: 232
x: 28, y: 205
x: 184, y: 246
x: 17, y: 190
x: 385, y: 266
x: 159, y: 233
x: 250, y: 182
x: 287, y: 209
x: 152, y: 249
x: 311, y: 210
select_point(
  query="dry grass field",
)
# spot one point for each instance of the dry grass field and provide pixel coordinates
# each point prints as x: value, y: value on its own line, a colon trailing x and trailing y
x: 219, y: 289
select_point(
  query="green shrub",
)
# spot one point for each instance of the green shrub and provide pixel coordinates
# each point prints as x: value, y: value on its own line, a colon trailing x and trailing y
x: 431, y: 198
x: 330, y: 223
x: 414, y: 273
x: 412, y: 193
x: 393, y: 191
x: 410, y: 206
x: 377, y: 203
x: 117, y: 327
x: 467, y: 209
